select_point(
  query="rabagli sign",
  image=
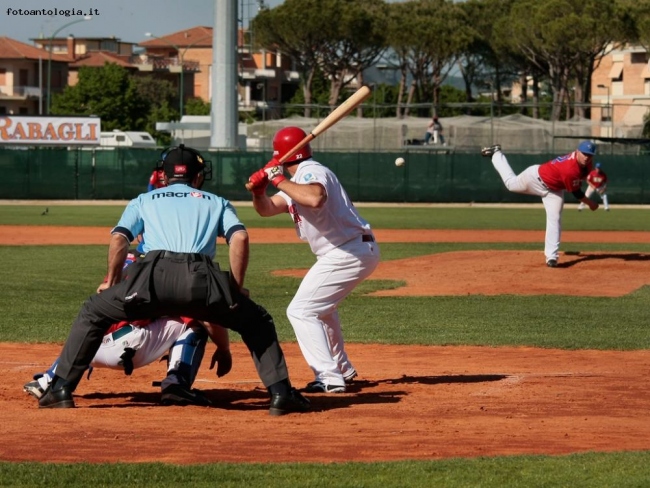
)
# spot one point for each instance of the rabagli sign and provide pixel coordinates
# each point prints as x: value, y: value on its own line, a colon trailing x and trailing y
x: 62, y: 131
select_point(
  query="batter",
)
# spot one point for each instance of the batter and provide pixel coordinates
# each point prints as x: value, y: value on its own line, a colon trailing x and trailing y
x: 345, y: 249
x: 549, y: 181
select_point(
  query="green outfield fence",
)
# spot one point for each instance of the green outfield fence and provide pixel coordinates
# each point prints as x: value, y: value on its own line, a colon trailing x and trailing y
x: 428, y: 176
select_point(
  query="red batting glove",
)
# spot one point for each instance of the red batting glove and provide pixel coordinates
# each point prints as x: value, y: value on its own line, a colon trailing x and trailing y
x: 275, y: 174
x: 273, y: 162
x: 259, y: 181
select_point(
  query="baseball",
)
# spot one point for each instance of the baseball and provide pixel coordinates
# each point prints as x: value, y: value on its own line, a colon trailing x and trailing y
x: 400, y: 162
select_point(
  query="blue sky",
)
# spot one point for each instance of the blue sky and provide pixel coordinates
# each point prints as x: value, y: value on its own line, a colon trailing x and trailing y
x: 125, y: 19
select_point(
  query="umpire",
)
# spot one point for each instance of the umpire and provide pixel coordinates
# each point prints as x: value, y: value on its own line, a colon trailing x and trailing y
x: 177, y: 277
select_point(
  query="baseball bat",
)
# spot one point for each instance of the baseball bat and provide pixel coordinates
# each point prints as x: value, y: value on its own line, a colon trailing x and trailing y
x: 337, y: 114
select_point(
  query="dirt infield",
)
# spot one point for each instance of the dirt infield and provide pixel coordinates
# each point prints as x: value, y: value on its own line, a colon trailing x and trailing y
x: 412, y: 402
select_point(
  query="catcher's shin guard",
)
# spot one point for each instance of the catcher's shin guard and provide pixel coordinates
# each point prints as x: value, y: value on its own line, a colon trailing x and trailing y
x: 185, y: 357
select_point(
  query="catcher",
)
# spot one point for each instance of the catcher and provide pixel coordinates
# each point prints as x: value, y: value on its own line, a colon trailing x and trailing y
x: 128, y: 346
x: 597, y: 183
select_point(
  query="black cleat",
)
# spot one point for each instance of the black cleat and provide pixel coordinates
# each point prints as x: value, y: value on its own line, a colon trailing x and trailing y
x: 179, y: 395
x: 551, y: 263
x: 284, y: 404
x: 34, y: 389
x: 61, y: 398
x: 350, y: 376
x: 490, y: 150
x: 320, y: 387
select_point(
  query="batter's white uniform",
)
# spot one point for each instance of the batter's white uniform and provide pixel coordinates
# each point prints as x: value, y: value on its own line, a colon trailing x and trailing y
x: 346, y: 254
x: 150, y: 342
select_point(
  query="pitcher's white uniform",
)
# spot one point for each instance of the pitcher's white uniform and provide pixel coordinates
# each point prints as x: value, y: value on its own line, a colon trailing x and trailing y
x: 346, y: 254
x: 548, y: 181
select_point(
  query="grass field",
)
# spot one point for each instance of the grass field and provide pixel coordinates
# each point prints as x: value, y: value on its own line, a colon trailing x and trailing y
x: 42, y: 288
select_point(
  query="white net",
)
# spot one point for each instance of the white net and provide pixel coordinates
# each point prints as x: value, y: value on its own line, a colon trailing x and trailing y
x: 516, y: 133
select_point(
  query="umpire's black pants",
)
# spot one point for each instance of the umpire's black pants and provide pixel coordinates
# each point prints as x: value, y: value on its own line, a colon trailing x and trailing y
x: 173, y: 284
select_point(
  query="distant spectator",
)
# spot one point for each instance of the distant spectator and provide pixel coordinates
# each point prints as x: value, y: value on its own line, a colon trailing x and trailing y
x: 434, y: 129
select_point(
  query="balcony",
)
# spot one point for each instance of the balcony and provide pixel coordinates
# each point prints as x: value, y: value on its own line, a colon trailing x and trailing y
x: 145, y: 62
x: 19, y: 92
x: 255, y: 74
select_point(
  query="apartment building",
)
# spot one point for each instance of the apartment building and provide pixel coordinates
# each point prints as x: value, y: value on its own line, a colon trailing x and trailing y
x: 620, y: 86
x: 24, y: 79
x: 266, y: 78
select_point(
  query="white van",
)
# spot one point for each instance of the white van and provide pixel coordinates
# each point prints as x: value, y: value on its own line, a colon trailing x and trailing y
x: 119, y: 138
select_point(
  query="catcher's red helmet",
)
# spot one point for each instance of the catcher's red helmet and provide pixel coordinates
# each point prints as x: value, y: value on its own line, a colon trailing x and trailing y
x: 286, y: 139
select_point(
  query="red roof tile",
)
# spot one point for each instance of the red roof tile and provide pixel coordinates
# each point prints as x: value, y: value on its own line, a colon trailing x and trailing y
x: 195, y: 37
x: 100, y: 58
x: 12, y: 49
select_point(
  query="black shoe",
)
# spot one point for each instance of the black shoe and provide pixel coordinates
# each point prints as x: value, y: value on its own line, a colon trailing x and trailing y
x: 551, y: 263
x: 293, y: 402
x: 61, y: 398
x: 179, y: 395
x: 489, y: 151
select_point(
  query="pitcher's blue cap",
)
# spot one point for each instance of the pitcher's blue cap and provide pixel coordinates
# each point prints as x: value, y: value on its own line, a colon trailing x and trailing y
x: 587, y: 147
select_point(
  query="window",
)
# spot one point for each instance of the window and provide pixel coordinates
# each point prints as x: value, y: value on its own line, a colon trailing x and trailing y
x: 639, y: 58
x: 110, y: 46
x: 146, y: 137
x: 120, y: 138
x: 616, y: 73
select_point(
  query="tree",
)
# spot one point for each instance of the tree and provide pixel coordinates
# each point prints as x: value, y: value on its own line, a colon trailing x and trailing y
x: 427, y: 37
x: 196, y: 106
x: 108, y: 92
x: 356, y: 40
x: 562, y: 38
x: 160, y: 96
x: 295, y: 28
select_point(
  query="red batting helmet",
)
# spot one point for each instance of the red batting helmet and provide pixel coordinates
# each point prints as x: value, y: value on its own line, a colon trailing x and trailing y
x: 286, y: 139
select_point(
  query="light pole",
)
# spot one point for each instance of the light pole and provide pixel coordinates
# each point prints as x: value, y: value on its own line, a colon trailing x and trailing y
x: 609, y: 110
x: 181, y: 56
x: 49, y: 58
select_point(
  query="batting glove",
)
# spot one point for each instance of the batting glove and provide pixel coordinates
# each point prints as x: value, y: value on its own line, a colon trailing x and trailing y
x: 259, y: 181
x: 273, y: 162
x: 275, y: 174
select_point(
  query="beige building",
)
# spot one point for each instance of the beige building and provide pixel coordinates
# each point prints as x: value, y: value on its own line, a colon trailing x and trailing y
x: 23, y: 77
x: 266, y: 78
x: 620, y: 85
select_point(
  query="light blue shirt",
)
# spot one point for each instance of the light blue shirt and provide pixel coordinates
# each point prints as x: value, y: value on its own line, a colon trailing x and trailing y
x: 179, y: 218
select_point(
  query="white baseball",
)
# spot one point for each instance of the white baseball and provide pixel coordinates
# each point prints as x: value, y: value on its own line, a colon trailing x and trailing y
x: 400, y: 162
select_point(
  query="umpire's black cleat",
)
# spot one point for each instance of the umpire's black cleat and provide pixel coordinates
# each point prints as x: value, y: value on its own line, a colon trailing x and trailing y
x: 179, y: 395
x: 284, y: 404
x: 61, y: 398
x: 489, y: 151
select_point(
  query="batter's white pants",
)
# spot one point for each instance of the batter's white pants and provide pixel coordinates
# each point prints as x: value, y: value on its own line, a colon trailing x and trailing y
x: 529, y: 182
x: 313, y: 312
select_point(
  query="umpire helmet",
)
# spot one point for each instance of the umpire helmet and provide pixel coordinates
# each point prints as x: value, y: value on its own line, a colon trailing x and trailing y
x: 184, y: 163
x: 286, y: 139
